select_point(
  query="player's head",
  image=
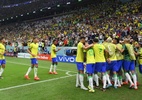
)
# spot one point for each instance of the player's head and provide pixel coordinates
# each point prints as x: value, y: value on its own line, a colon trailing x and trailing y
x: 105, y: 39
x: 55, y: 42
x: 116, y: 40
x: 109, y: 39
x: 35, y: 40
x: 126, y: 40
x: 2, y: 40
x: 90, y: 41
x: 82, y: 39
x: 96, y: 40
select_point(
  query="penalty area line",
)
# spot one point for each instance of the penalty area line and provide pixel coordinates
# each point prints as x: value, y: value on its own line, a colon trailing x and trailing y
x: 28, y: 84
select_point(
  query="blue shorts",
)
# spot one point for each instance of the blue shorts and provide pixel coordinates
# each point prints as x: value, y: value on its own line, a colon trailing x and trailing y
x: 119, y: 64
x: 100, y: 67
x: 34, y: 61
x: 80, y: 65
x: 112, y: 66
x: 90, y: 68
x: 54, y: 60
x: 2, y: 62
x: 140, y: 69
x: 129, y: 65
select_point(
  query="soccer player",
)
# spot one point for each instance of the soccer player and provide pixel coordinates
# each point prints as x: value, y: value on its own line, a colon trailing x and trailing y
x: 2, y: 58
x: 129, y: 63
x: 100, y: 65
x: 119, y: 57
x: 33, y: 51
x: 53, y: 56
x: 90, y: 66
x: 79, y: 63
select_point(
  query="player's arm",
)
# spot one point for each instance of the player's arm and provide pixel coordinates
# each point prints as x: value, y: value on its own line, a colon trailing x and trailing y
x: 29, y: 51
x: 87, y: 47
x: 57, y: 50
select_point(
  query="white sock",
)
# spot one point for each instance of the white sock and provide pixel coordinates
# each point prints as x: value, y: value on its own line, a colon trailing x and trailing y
x: 118, y: 81
x: 55, y: 68
x: 90, y: 81
x: 108, y: 79
x: 81, y: 79
x: 96, y: 79
x: 1, y: 71
x: 77, y: 79
x: 29, y: 70
x: 51, y: 67
x: 129, y: 78
x: 115, y: 80
x: 104, y: 81
x: 35, y: 71
x: 134, y: 79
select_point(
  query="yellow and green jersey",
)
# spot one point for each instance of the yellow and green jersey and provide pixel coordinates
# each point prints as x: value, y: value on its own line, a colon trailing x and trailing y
x: 80, y: 54
x: 90, y: 56
x: 140, y: 56
x: 2, y: 51
x: 34, y: 49
x: 53, y: 53
x: 119, y: 55
x: 99, y: 52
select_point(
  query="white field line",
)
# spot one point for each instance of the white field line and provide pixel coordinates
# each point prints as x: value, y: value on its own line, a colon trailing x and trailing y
x: 28, y: 84
x: 39, y: 66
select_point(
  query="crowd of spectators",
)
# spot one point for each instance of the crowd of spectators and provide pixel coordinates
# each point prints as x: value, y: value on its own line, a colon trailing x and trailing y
x: 109, y: 18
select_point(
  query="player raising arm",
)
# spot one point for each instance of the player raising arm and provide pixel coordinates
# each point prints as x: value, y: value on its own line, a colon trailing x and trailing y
x: 33, y: 51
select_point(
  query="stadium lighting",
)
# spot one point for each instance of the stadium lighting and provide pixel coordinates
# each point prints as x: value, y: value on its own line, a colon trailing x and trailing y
x: 34, y: 12
x: 21, y: 14
x: 16, y: 16
x: 68, y: 3
x: 7, y: 18
x: 58, y: 5
x: 49, y: 7
x: 41, y: 9
x: 28, y: 13
x: 11, y: 17
x: 2, y: 19
x: 79, y: 0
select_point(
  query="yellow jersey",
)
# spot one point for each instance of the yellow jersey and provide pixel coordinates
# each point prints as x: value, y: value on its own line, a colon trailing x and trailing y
x: 80, y: 54
x: 140, y: 56
x: 2, y: 50
x: 99, y: 53
x: 112, y: 51
x: 119, y: 55
x: 90, y: 56
x: 34, y: 49
x: 53, y: 53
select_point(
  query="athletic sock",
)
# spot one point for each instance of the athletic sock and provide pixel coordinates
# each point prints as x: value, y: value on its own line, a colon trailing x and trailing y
x: 115, y: 80
x: 104, y: 81
x: 55, y: 68
x: 90, y: 81
x: 51, y: 67
x: 108, y: 79
x: 129, y: 78
x: 1, y: 71
x: 29, y: 70
x: 96, y: 79
x: 81, y: 79
x: 77, y: 80
x: 134, y: 79
x: 35, y: 71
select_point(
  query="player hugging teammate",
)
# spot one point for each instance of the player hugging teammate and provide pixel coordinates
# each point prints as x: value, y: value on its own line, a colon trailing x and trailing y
x: 111, y: 59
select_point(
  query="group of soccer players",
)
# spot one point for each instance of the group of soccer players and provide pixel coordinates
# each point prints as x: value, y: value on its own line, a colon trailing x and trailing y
x: 110, y: 58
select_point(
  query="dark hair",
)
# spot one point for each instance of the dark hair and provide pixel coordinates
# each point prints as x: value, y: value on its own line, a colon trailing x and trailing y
x: 105, y: 38
x: 90, y: 41
x: 82, y: 37
x: 117, y: 39
x: 1, y: 38
x: 96, y: 40
x: 54, y: 40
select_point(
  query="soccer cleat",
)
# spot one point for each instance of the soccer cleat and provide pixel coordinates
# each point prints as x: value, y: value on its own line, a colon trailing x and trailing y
x: 109, y: 85
x: 36, y: 78
x: 84, y: 88
x: 89, y: 87
x: 92, y: 90
x: 125, y: 83
x: 77, y: 85
x: 136, y: 88
x: 131, y: 86
x: 119, y: 86
x: 137, y: 83
x: 50, y: 72
x: 27, y: 77
x: 55, y: 73
x: 103, y: 89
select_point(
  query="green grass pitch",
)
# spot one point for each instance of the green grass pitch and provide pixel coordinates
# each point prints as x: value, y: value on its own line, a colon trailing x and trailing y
x: 54, y: 87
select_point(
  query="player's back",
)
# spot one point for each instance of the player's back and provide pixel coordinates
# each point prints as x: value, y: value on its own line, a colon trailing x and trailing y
x: 53, y: 53
x: 119, y: 55
x: 112, y: 51
x: 130, y: 51
x: 80, y: 54
x: 90, y: 56
x: 99, y: 52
